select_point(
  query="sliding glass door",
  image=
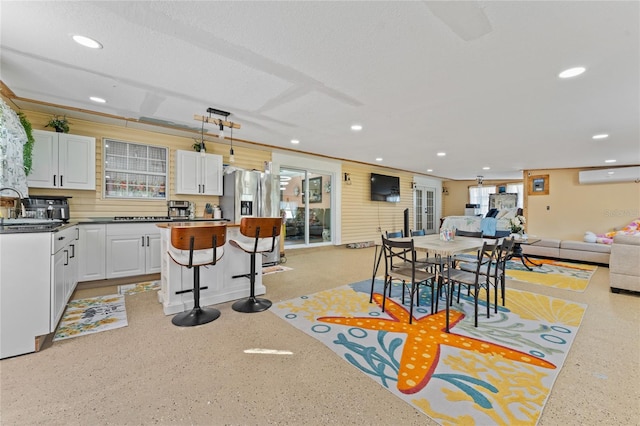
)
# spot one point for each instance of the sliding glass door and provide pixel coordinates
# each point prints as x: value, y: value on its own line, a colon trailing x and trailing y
x: 305, y: 204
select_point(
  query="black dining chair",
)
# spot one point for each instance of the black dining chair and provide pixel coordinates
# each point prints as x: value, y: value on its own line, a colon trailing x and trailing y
x: 395, y: 234
x: 475, y: 280
x: 410, y: 273
x: 473, y: 234
x: 431, y: 263
x: 497, y: 277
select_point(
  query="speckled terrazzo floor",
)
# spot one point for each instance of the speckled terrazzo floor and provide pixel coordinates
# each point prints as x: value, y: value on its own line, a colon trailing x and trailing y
x: 152, y: 372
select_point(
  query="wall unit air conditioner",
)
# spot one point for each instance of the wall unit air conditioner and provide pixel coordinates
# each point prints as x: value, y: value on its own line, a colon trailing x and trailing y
x: 621, y: 174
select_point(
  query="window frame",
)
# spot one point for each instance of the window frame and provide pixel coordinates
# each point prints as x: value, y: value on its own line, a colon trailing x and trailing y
x: 129, y: 163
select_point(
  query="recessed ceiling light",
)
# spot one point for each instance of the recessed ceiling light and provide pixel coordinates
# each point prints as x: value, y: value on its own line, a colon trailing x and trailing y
x: 441, y: 154
x: 486, y: 168
x: 285, y: 178
x: 610, y: 173
x: 572, y: 72
x: 295, y: 141
x: 429, y: 170
x: 86, y: 42
x: 379, y: 159
x: 356, y: 127
x: 609, y: 161
x: 97, y: 99
x: 600, y: 136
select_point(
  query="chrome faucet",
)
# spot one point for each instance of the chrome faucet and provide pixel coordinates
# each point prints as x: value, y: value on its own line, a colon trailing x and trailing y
x: 20, y: 197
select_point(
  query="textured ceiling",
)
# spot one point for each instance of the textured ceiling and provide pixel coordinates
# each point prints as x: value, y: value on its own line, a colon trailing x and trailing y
x: 477, y: 80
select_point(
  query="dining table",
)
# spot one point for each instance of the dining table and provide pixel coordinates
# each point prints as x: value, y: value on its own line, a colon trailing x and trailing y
x: 436, y: 247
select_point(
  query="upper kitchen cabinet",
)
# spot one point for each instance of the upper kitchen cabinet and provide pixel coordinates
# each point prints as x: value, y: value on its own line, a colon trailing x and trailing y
x: 63, y: 161
x: 197, y: 174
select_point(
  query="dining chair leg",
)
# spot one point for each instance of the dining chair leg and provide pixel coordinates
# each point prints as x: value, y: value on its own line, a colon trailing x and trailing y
x: 475, y: 310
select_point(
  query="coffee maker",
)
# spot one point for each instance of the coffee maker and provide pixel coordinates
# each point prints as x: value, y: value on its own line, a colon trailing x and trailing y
x: 179, y: 209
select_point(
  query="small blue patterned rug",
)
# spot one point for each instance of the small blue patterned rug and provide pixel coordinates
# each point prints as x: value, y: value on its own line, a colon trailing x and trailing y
x: 92, y: 315
x: 499, y: 373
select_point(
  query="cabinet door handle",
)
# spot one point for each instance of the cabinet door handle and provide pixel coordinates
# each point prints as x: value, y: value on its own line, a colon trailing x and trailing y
x: 203, y: 188
x: 66, y: 262
x: 142, y: 240
x: 73, y: 250
x: 61, y: 181
x: 147, y: 241
x: 54, y: 180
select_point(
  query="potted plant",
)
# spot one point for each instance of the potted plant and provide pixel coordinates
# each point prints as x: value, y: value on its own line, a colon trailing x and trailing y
x: 27, y: 150
x: 60, y: 124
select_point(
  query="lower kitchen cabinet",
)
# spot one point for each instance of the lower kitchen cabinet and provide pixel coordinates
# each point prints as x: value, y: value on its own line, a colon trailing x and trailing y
x: 38, y: 274
x: 64, y: 271
x: 92, y: 253
x: 132, y: 249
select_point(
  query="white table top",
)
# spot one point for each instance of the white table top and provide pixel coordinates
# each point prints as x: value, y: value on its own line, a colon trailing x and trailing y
x: 435, y: 246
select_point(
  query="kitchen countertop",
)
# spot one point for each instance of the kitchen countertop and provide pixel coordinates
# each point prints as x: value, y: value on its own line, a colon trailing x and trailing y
x: 110, y: 220
x: 46, y: 227
x: 34, y: 228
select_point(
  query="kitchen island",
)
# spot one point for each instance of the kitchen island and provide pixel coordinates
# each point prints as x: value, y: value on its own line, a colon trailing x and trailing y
x: 219, y: 279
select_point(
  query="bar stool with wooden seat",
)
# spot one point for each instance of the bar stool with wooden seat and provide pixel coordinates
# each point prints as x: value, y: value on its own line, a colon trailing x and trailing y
x: 195, y: 246
x: 263, y: 232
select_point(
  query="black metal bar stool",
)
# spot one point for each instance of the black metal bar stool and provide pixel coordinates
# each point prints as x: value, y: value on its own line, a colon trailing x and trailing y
x: 195, y: 246
x: 263, y: 232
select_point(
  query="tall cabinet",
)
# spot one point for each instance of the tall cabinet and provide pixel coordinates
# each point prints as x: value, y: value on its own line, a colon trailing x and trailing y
x: 63, y: 161
x: 198, y: 174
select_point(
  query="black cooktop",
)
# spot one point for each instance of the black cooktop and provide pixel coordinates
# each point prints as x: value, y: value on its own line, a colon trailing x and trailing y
x: 141, y: 218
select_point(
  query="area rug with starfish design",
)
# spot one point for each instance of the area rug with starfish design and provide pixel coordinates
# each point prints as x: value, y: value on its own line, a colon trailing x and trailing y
x: 500, y: 372
x: 571, y: 276
x: 553, y: 273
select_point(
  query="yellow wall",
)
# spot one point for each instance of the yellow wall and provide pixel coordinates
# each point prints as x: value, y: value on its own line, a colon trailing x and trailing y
x: 456, y: 194
x: 85, y: 204
x: 365, y: 220
x: 573, y: 208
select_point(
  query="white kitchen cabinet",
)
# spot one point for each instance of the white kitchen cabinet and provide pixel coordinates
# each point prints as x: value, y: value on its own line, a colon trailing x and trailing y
x: 37, y: 277
x: 64, y: 271
x: 63, y: 161
x: 197, y: 174
x: 92, y: 252
x: 132, y: 249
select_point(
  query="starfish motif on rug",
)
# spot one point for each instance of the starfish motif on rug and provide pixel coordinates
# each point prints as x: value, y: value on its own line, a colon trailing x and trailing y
x: 421, y: 350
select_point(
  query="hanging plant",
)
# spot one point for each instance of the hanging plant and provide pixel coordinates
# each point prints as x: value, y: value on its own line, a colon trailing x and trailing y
x: 27, y: 149
x: 60, y: 124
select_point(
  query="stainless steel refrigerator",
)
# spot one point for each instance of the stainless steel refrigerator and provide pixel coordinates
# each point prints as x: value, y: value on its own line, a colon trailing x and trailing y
x: 252, y: 194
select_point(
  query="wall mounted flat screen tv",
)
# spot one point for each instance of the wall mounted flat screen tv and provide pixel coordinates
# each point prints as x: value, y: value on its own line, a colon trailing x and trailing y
x: 385, y: 188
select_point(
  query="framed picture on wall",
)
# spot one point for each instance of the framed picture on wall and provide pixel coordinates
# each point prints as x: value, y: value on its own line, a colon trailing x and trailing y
x: 315, y: 190
x: 538, y: 185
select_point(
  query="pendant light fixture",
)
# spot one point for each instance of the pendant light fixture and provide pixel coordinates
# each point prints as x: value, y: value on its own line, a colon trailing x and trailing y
x: 221, y: 123
x: 203, y: 149
x: 231, y: 157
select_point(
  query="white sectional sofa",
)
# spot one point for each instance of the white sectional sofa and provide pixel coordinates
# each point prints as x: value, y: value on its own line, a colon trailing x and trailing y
x: 624, y: 267
x: 569, y: 250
